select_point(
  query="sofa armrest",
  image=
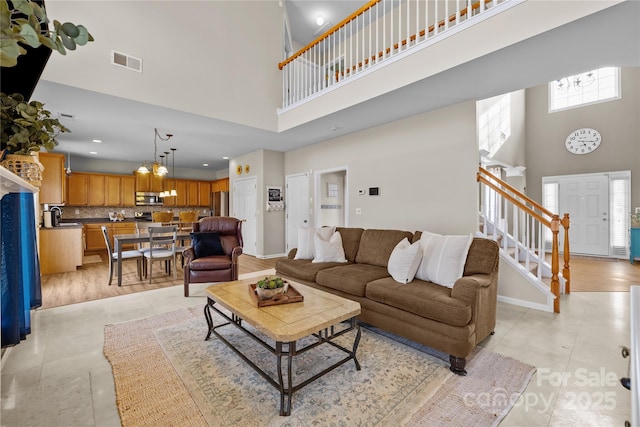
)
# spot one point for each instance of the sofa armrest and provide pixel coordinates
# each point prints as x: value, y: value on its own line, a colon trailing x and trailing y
x: 481, y: 292
x: 235, y: 253
x: 188, y: 255
x: 292, y: 253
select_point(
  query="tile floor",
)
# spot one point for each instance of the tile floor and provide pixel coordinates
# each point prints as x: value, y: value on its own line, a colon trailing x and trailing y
x: 59, y: 376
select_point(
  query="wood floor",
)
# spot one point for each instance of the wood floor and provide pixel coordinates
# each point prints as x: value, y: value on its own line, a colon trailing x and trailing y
x: 90, y: 282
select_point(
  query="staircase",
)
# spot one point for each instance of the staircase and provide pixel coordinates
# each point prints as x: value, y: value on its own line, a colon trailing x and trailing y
x: 527, y: 234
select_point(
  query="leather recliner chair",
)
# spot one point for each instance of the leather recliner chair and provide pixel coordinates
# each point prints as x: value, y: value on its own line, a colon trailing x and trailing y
x: 214, y: 268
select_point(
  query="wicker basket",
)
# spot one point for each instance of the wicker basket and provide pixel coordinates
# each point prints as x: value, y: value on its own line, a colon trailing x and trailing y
x: 26, y: 167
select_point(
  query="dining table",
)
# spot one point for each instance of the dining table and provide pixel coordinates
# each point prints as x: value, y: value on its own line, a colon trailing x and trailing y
x: 139, y: 237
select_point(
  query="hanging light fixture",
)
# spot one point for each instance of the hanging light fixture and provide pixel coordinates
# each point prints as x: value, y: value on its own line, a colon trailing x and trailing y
x: 173, y: 173
x: 68, y: 169
x: 158, y: 169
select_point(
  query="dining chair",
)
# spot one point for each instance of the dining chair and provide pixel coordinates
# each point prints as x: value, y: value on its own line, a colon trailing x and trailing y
x: 162, y: 247
x: 186, y: 219
x: 126, y: 255
x: 143, y: 227
x: 166, y: 218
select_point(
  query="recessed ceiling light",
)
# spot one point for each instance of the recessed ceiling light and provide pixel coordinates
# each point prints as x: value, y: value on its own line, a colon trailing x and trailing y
x: 205, y: 164
x: 97, y: 141
x: 320, y: 20
x: 225, y: 158
x: 93, y: 152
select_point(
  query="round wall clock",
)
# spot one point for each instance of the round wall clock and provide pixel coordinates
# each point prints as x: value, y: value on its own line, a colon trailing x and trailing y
x: 583, y: 141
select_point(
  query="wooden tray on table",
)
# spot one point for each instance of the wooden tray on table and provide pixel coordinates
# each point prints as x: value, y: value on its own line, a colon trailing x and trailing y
x: 292, y: 295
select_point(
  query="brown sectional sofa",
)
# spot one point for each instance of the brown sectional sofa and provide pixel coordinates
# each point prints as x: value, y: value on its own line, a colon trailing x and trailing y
x: 453, y: 320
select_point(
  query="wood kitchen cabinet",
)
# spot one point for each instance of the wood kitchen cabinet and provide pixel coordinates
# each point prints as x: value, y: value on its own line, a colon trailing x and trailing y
x: 53, y: 179
x: 148, y: 182
x: 128, y: 189
x: 204, y: 193
x: 77, y: 187
x: 61, y: 249
x: 95, y: 240
x: 192, y: 193
x: 97, y: 191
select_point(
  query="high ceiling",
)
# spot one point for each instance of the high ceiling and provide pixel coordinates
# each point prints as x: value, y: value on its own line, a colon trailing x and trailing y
x: 610, y: 37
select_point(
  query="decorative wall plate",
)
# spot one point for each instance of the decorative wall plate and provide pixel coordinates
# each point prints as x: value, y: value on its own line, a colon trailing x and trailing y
x: 246, y: 169
x: 239, y: 169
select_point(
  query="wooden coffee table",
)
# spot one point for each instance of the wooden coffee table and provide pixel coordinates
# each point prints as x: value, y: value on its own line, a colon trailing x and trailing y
x: 285, y: 324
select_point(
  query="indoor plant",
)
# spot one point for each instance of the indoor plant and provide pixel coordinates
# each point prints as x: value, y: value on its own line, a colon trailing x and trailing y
x: 27, y: 127
x: 270, y: 286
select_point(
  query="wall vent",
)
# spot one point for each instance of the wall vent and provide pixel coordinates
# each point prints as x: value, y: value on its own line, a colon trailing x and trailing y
x: 66, y: 116
x: 126, y: 61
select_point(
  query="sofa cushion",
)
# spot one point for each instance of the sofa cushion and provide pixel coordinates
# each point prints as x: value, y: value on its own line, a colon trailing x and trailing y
x: 328, y: 250
x: 302, y: 269
x: 351, y: 278
x: 421, y: 298
x: 404, y: 261
x: 306, y: 242
x: 350, y: 241
x: 213, y: 262
x: 376, y: 246
x: 443, y: 258
x: 482, y: 258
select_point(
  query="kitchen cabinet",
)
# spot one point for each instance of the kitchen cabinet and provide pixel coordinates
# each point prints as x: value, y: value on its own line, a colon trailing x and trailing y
x: 204, y: 193
x: 114, y: 191
x: 128, y: 188
x: 224, y: 184
x: 77, y: 186
x: 97, y: 191
x: 192, y: 193
x: 61, y: 249
x: 148, y: 182
x: 53, y: 179
x: 95, y: 240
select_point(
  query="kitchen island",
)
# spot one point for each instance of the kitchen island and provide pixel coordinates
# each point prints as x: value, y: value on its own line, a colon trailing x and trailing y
x: 61, y: 248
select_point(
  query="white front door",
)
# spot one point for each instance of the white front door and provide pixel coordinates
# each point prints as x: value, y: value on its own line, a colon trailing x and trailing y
x: 586, y: 199
x: 296, y: 207
x: 244, y: 208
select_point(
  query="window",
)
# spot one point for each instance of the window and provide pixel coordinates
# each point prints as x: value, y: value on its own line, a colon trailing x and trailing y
x: 586, y: 88
x: 620, y: 195
x: 494, y: 124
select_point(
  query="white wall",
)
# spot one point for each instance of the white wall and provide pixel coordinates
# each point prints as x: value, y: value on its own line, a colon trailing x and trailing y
x: 194, y: 54
x: 425, y: 167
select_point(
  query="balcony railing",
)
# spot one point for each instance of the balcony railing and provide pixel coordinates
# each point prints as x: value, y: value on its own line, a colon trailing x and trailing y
x: 380, y: 31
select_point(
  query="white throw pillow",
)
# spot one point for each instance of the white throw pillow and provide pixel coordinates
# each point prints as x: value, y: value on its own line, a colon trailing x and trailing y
x: 328, y: 250
x: 404, y: 261
x: 305, y: 240
x: 443, y: 258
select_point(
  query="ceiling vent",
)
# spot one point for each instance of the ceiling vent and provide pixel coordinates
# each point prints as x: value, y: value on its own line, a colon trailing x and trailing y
x: 126, y: 61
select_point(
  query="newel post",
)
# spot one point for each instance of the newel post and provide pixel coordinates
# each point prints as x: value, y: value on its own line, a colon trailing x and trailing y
x: 566, y: 271
x: 555, y: 282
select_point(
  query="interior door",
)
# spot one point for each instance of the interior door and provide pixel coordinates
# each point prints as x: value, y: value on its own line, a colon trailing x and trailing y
x: 586, y: 199
x: 296, y: 207
x: 245, y: 209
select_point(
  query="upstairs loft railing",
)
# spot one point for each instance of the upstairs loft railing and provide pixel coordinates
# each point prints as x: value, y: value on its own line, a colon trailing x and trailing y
x: 377, y: 32
x: 524, y: 226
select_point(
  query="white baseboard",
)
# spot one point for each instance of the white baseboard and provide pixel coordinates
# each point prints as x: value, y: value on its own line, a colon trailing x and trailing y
x: 270, y: 256
x: 527, y: 304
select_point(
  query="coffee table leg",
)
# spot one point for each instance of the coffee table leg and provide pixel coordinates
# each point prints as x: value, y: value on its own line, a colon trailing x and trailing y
x: 356, y: 342
x: 285, y: 407
x: 207, y: 315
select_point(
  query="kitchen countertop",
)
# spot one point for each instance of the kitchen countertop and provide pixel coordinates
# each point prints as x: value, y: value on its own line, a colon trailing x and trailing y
x: 64, y: 226
x: 82, y: 221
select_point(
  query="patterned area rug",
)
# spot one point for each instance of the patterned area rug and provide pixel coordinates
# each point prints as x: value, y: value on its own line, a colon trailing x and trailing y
x: 166, y: 374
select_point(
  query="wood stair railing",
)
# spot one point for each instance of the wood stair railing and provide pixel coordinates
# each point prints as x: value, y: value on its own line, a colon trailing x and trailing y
x: 533, y: 212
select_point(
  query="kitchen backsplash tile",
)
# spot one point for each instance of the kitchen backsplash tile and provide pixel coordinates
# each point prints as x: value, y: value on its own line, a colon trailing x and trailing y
x: 69, y: 212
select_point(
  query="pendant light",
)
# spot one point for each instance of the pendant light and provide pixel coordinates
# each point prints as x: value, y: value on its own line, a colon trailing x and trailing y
x: 173, y: 173
x: 68, y: 169
x: 155, y: 167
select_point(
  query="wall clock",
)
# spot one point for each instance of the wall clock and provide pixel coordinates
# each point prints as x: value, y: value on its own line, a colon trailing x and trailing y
x: 583, y: 141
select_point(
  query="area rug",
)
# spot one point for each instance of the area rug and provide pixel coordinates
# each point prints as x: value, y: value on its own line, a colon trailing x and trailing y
x: 166, y: 374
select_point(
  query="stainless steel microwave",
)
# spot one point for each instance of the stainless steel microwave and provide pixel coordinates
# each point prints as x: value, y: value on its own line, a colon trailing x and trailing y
x: 148, y: 199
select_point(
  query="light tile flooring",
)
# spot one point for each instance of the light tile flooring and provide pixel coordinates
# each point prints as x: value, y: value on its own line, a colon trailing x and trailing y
x: 59, y: 376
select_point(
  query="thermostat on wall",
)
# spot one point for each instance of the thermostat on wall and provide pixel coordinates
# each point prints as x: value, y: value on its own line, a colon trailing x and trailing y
x: 374, y: 191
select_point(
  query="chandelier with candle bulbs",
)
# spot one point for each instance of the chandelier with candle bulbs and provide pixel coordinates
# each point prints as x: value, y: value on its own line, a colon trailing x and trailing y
x: 158, y: 169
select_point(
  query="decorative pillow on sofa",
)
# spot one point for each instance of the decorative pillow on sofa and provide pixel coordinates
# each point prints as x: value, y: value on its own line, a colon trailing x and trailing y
x: 328, y: 250
x: 206, y: 244
x: 306, y: 246
x: 404, y: 261
x: 443, y: 258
